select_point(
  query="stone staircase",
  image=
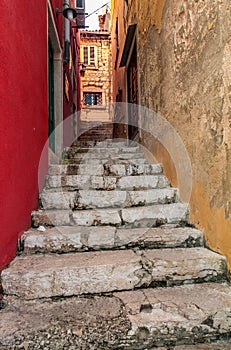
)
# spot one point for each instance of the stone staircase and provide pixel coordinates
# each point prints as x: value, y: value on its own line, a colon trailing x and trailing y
x: 97, y: 131
x: 118, y: 266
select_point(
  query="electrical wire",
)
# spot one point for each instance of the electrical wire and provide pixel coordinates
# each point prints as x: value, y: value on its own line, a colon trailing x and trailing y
x: 97, y: 10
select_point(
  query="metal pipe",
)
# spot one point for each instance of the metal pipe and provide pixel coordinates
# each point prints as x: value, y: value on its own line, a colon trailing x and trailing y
x: 67, y: 35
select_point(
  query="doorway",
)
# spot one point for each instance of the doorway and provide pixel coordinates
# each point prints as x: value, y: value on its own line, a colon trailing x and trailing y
x: 51, y: 100
x: 133, y: 96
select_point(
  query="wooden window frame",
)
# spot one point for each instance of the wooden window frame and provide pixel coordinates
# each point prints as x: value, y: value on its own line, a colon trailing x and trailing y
x: 90, y: 62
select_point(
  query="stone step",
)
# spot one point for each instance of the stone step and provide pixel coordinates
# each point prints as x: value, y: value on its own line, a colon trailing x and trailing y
x: 108, y: 169
x: 89, y: 156
x: 66, y: 239
x: 83, y: 143
x: 45, y: 276
x: 94, y: 162
x: 113, y: 143
x: 214, y: 346
x: 97, y: 199
x: 103, y: 150
x: 97, y: 132
x: 155, y: 319
x: 106, y: 143
x: 147, y: 216
x: 80, y: 182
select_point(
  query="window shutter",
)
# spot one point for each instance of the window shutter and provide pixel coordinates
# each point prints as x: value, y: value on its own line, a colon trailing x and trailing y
x: 92, y: 56
x: 85, y: 55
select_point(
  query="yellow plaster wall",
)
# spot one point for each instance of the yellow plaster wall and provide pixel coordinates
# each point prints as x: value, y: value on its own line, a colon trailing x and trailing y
x: 212, y: 221
x: 185, y: 75
x: 184, y: 64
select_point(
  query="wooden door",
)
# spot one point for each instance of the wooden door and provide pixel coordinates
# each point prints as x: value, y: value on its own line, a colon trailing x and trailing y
x: 133, y: 96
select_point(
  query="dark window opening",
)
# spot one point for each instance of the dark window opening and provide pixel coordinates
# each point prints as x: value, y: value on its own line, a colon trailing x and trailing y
x: 80, y: 4
x: 92, y: 98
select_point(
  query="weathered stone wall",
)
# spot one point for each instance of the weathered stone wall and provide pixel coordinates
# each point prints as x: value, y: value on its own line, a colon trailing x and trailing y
x: 98, y: 78
x: 184, y: 59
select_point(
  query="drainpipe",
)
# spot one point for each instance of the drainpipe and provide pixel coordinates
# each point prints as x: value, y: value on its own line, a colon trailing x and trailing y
x: 67, y: 36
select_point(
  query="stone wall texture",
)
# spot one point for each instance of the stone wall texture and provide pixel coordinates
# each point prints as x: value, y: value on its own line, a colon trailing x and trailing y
x: 184, y: 62
x: 97, y: 78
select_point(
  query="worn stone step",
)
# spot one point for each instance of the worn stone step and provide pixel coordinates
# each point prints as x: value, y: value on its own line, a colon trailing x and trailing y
x: 77, y: 169
x: 45, y: 276
x: 84, y: 143
x: 146, y: 216
x: 113, y: 143
x: 80, y: 182
x: 93, y: 156
x: 66, y: 239
x: 108, y: 169
x: 103, y: 150
x: 157, y: 319
x: 100, y: 153
x: 105, y: 143
x: 97, y: 199
x: 94, y: 161
x: 211, y: 346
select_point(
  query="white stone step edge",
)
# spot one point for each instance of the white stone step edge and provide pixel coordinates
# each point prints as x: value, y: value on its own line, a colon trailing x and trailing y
x: 116, y: 169
x: 65, y: 239
x: 97, y: 199
x: 147, y: 216
x: 108, y: 183
x: 45, y: 276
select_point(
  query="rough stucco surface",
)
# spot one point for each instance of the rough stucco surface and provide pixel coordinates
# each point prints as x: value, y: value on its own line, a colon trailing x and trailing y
x: 185, y: 70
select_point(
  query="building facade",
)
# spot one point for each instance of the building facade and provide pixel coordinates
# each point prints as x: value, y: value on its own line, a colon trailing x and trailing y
x: 96, y: 84
x: 34, y: 66
x: 181, y: 52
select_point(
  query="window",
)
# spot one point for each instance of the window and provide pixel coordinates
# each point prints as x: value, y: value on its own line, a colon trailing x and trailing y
x: 117, y: 41
x: 80, y: 4
x: 92, y: 98
x: 89, y: 56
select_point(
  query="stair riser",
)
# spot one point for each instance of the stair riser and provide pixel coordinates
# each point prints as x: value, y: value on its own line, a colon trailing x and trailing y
x: 79, y: 239
x: 79, y: 182
x: 94, y: 162
x: 148, y: 216
x: 88, y: 273
x: 103, y: 150
x: 111, y: 170
x: 105, y: 144
x: 106, y: 199
x: 88, y: 157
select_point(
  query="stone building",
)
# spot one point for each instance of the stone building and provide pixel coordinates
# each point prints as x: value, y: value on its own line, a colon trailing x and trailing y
x: 181, y: 52
x: 96, y: 84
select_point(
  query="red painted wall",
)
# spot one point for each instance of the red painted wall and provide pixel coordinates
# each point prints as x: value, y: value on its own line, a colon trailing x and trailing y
x: 23, y: 115
x: 58, y: 4
x: 71, y: 100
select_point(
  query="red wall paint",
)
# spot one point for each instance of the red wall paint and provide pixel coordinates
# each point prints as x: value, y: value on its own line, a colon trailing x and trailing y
x: 23, y: 115
x: 58, y: 4
x: 69, y: 100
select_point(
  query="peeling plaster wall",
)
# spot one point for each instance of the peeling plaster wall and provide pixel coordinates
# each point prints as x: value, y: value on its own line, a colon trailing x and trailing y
x: 185, y: 74
x: 184, y: 66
